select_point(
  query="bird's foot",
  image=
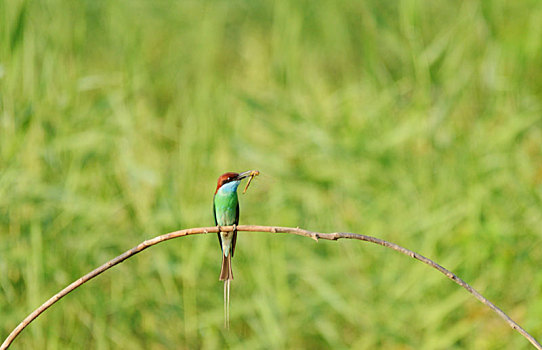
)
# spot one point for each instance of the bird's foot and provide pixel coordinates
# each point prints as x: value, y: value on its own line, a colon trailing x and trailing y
x: 234, y: 228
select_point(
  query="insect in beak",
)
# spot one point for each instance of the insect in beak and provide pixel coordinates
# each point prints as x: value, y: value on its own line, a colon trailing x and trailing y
x: 252, y: 175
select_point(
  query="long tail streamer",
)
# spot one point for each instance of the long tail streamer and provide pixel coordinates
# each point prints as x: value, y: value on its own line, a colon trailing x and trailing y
x: 227, y: 304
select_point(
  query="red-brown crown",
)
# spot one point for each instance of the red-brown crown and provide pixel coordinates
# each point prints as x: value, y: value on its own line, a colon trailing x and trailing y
x: 225, y: 178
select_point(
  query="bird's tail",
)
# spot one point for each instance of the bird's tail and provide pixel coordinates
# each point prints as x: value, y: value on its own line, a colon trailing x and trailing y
x: 226, y: 272
x: 227, y: 304
x: 226, y: 275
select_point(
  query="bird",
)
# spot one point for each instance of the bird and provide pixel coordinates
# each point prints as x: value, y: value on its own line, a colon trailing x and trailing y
x: 226, y: 213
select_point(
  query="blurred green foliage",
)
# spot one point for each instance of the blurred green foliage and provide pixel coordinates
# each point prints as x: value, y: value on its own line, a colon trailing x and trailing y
x: 419, y: 122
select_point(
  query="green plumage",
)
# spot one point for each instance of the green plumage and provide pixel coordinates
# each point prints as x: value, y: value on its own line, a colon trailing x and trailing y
x: 226, y: 208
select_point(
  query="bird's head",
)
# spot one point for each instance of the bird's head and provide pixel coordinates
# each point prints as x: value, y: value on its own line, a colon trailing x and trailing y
x: 232, y: 177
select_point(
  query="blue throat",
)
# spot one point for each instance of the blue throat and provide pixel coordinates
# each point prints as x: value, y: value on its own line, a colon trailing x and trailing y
x: 228, y: 188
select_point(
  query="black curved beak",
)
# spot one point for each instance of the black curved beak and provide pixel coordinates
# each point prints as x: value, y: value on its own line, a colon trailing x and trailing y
x: 246, y: 174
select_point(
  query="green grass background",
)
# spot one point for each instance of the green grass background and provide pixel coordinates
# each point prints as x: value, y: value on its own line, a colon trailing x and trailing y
x: 419, y: 122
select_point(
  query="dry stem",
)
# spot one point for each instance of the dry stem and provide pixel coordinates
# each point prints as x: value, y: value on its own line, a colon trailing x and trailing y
x: 273, y: 229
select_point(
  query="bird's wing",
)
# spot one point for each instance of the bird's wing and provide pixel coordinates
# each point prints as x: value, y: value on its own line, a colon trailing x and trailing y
x: 234, y: 240
x: 237, y: 214
x: 214, y: 212
x: 216, y: 223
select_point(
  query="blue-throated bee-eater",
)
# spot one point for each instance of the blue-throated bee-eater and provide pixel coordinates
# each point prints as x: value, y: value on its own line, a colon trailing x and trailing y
x: 226, y: 213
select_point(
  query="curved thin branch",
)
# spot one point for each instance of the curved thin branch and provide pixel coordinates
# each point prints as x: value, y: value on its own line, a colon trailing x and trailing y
x: 273, y: 229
